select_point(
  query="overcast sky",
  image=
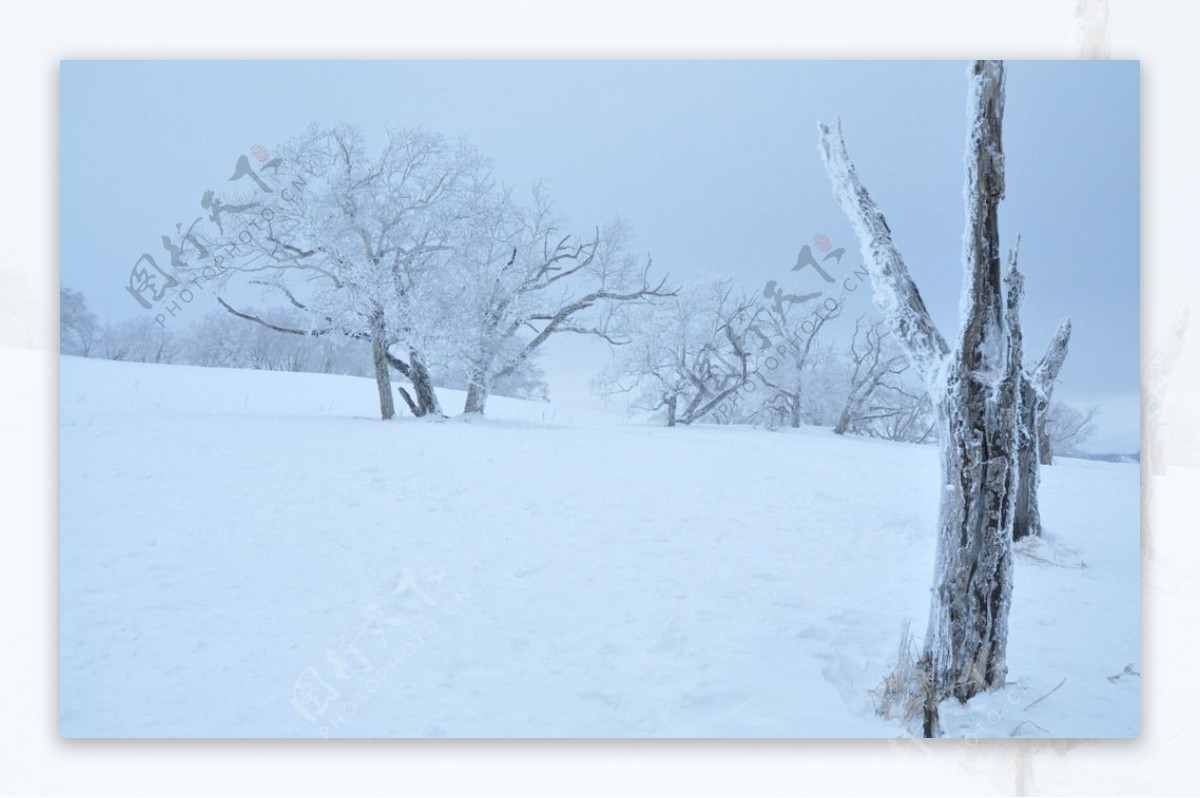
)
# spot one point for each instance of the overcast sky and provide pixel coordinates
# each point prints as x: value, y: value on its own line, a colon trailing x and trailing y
x: 713, y: 164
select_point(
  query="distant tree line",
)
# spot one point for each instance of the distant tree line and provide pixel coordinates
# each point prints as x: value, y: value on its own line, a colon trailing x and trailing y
x: 221, y: 340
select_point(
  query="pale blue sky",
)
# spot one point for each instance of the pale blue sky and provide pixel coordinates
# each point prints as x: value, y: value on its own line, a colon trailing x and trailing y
x: 713, y: 164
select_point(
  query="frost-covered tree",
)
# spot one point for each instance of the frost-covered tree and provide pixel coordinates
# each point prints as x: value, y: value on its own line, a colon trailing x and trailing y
x: 975, y: 392
x: 876, y: 367
x: 1068, y: 428
x: 350, y: 241
x: 520, y: 280
x: 78, y: 326
x: 527, y: 382
x: 792, y: 353
x: 216, y: 340
x: 141, y: 340
x: 688, y: 355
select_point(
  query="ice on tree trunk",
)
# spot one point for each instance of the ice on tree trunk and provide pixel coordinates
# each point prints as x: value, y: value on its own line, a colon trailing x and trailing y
x: 1034, y: 450
x: 975, y: 391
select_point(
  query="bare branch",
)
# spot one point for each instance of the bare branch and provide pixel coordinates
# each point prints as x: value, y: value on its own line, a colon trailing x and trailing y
x: 895, y: 292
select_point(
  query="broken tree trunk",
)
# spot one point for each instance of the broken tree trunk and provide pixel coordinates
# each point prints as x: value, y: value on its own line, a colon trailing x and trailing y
x: 1034, y: 446
x: 974, y: 391
x: 1042, y: 378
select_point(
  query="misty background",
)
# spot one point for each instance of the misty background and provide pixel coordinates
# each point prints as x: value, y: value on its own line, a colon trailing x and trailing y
x: 713, y: 165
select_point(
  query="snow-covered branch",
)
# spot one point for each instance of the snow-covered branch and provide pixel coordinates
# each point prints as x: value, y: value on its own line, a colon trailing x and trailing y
x: 896, y: 294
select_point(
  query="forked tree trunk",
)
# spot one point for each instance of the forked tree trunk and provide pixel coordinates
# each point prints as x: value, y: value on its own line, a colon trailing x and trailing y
x: 975, y: 394
x: 426, y: 401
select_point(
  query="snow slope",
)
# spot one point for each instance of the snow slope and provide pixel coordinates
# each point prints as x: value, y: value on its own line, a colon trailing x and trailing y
x: 253, y: 554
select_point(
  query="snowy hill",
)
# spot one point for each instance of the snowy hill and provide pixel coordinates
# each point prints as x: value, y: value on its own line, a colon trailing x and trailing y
x: 255, y: 554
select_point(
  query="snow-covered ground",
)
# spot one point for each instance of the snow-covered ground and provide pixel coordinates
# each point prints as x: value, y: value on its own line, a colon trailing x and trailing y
x: 255, y: 554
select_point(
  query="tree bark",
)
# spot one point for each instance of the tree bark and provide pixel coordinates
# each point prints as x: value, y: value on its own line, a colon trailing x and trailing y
x: 843, y: 421
x: 477, y: 396
x: 672, y: 403
x: 1042, y: 379
x: 383, y: 378
x: 1034, y: 444
x: 408, y: 400
x: 975, y: 395
x: 427, y: 400
x: 1027, y: 519
x: 968, y: 629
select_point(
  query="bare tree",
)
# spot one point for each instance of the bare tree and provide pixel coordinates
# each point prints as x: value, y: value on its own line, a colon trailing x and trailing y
x: 216, y: 340
x: 974, y: 389
x: 522, y: 281
x: 1067, y: 428
x: 792, y: 352
x: 874, y: 368
x: 140, y: 339
x: 688, y: 355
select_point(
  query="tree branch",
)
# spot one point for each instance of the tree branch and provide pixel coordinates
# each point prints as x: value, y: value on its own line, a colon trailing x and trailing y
x: 895, y: 292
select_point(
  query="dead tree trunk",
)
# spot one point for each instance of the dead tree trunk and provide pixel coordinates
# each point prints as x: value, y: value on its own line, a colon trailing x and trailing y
x: 1036, y: 388
x: 1027, y: 519
x: 1043, y: 377
x: 974, y: 391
